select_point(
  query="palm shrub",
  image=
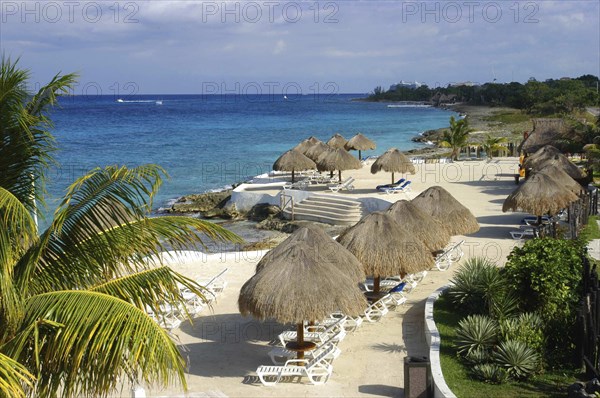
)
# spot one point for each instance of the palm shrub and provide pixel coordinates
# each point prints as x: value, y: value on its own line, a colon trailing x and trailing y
x: 456, y: 137
x: 73, y: 297
x: 490, y: 373
x: 476, y: 332
x: 526, y: 328
x: 493, y: 145
x: 517, y: 358
x: 477, y: 285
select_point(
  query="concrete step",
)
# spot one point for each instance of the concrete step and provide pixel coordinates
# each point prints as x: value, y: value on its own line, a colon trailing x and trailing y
x: 305, y: 205
x: 329, y: 209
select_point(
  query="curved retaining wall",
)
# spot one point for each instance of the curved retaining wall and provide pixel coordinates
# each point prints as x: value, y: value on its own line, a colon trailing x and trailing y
x: 440, y: 388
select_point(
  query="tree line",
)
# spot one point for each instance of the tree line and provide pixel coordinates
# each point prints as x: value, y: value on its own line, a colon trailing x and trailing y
x: 552, y: 96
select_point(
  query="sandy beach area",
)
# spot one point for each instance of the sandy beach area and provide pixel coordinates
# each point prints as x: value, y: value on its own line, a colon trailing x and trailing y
x: 224, y: 349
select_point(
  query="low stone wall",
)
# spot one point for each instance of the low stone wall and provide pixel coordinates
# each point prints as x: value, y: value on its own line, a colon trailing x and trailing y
x: 440, y: 388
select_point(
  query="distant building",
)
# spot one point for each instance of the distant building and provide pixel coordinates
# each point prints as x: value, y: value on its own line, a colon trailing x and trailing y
x: 468, y: 84
x: 412, y: 85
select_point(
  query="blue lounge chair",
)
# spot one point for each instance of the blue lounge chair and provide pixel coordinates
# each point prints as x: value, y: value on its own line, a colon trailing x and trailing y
x: 382, y: 187
x: 400, y: 188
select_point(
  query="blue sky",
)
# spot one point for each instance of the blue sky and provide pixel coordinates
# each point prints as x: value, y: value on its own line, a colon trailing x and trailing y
x: 187, y: 47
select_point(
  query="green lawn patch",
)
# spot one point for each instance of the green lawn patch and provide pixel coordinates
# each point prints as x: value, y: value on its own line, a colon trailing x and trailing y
x: 508, y: 117
x: 591, y: 230
x: 550, y: 384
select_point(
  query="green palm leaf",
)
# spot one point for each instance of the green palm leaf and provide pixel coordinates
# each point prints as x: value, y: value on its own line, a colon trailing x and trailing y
x: 150, y: 288
x: 101, y: 337
x: 13, y: 377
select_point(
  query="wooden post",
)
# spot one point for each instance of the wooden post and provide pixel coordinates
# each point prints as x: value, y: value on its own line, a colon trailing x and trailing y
x: 376, y: 283
x: 300, y: 339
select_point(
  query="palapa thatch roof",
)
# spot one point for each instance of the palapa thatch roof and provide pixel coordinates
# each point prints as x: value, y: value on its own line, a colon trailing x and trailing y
x: 306, y: 144
x: 384, y: 248
x: 324, y: 246
x: 393, y: 161
x: 337, y: 159
x: 545, y: 132
x: 550, y: 156
x: 337, y: 141
x: 293, y: 160
x: 539, y: 194
x: 316, y: 150
x: 438, y: 203
x: 359, y: 142
x: 299, y: 286
x: 424, y: 227
x: 559, y: 176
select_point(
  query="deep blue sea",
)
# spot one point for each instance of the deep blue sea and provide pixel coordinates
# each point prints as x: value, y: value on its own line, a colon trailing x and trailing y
x: 209, y: 142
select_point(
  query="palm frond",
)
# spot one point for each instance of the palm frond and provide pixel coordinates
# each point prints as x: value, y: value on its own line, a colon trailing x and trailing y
x: 66, y: 263
x: 150, y: 288
x: 94, y: 339
x: 13, y: 378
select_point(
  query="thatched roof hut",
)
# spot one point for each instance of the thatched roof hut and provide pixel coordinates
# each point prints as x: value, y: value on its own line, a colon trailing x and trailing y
x: 306, y: 144
x: 560, y: 177
x: 359, y: 142
x: 424, y: 227
x: 545, y: 132
x: 337, y: 159
x: 293, y: 160
x: 550, y: 156
x: 337, y: 141
x: 384, y: 248
x: 316, y: 150
x: 324, y: 246
x: 393, y: 161
x: 539, y: 194
x: 438, y: 203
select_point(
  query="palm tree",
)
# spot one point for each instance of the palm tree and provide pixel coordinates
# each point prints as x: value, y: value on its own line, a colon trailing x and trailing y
x: 493, y: 144
x: 456, y: 137
x: 73, y: 298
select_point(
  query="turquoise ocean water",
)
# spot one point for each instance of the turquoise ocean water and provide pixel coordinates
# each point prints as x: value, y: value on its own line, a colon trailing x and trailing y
x: 209, y: 142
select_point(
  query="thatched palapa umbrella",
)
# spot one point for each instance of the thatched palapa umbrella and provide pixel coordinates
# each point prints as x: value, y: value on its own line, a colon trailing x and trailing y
x: 359, y: 142
x: 539, y: 195
x: 424, y: 227
x: 331, y: 251
x: 306, y: 144
x: 293, y: 160
x: 337, y: 141
x: 316, y: 150
x: 298, y: 283
x: 384, y: 248
x: 438, y: 203
x: 337, y: 159
x: 393, y: 161
x: 550, y: 156
x: 559, y: 176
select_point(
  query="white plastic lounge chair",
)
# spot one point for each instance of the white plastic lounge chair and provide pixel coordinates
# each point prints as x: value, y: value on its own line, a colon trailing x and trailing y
x: 318, y: 370
x: 395, y: 184
x: 350, y: 323
x: 346, y: 184
x: 395, y: 297
x: 405, y: 187
x: 522, y: 234
x: 302, y: 184
x: 449, y: 256
x: 279, y: 355
x: 376, y: 311
x: 319, y: 333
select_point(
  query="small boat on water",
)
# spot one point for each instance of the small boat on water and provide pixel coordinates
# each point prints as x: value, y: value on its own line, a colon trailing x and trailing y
x: 120, y: 100
x: 159, y: 102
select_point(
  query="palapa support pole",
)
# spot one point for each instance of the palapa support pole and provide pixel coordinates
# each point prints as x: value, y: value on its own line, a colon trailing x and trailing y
x: 292, y: 176
x: 392, y: 177
x: 340, y: 175
x: 376, y: 283
x: 359, y: 155
x: 300, y: 339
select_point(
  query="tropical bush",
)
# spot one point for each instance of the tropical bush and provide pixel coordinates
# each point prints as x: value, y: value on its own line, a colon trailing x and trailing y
x: 476, y: 332
x: 517, y: 358
x: 73, y: 297
x: 526, y: 328
x: 490, y: 373
x: 477, y: 286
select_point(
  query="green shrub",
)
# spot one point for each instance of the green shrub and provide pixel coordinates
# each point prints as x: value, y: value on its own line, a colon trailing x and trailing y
x: 505, y: 305
x: 476, y: 332
x: 477, y: 284
x: 546, y: 276
x: 478, y: 356
x: 527, y: 328
x: 518, y: 359
x: 490, y: 373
